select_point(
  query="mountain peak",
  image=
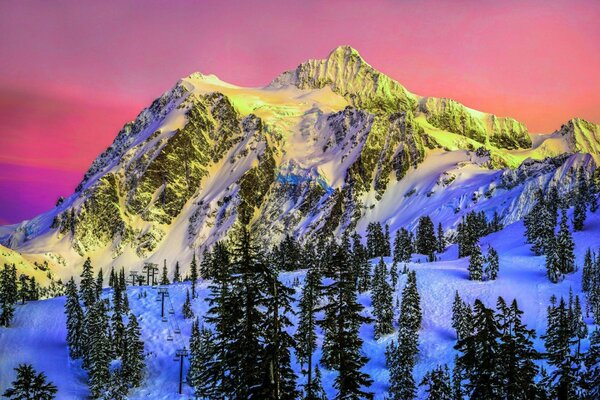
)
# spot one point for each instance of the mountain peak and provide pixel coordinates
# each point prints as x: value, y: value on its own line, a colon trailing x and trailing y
x: 343, y: 52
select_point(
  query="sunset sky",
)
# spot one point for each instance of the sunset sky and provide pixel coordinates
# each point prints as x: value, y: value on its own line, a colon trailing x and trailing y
x: 73, y: 72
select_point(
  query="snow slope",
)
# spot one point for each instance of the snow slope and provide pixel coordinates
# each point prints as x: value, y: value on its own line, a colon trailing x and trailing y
x: 38, y: 332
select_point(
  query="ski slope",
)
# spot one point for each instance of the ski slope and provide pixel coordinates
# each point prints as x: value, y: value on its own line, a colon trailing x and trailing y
x: 38, y: 332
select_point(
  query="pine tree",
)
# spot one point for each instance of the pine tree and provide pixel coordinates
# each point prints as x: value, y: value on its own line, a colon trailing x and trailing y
x: 202, y: 356
x: 74, y: 321
x: 30, y: 385
x: 426, y: 242
x: 112, y: 278
x: 588, y: 271
x: 590, y: 380
x: 441, y: 239
x: 476, y: 264
x: 206, y: 265
x: 457, y: 381
x: 403, y: 246
x: 362, y: 265
x: 176, y: 275
x: 565, y: 246
x: 517, y: 370
x: 34, y: 290
x: 87, y: 286
x: 480, y: 355
x: 133, y: 357
x: 394, y: 275
x: 462, y: 317
x: 317, y: 392
x: 492, y: 264
x: 306, y: 338
x: 164, y: 280
x: 194, y: 275
x: 97, y: 348
x: 387, y: 250
x: 553, y: 267
x: 541, y: 221
x: 99, y: 284
x: 581, y: 199
x: 341, y: 323
x: 8, y: 294
x: 496, y: 223
x: 439, y: 386
x: 375, y: 240
x: 23, y: 288
x: 116, y: 388
x: 382, y: 301
x: 187, y: 306
x: 118, y: 333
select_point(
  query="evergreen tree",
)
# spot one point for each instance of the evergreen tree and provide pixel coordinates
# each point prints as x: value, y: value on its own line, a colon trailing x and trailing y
x: 97, y: 348
x: 553, y: 267
x: 23, y: 288
x: 457, y: 381
x: 375, y: 240
x: 362, y: 265
x: 30, y: 385
x: 34, y: 289
x: 517, y: 370
x: 118, y: 333
x: 206, y: 265
x: 441, y: 239
x: 492, y: 264
x: 581, y: 199
x: 476, y: 264
x: 187, y: 306
x: 164, y: 280
x: 588, y: 271
x: 462, y: 317
x: 306, y: 338
x: 202, y: 356
x: 176, y: 275
x: 496, y: 223
x: 194, y: 275
x: 426, y: 242
x: 590, y: 380
x: 87, y: 286
x: 116, y: 388
x: 133, y: 357
x: 480, y: 355
x: 382, y: 301
x: 472, y: 227
x: 99, y: 284
x: 387, y: 250
x: 74, y: 321
x: 317, y: 392
x: 403, y: 246
x: 112, y: 278
x: 439, y: 386
x: 8, y: 294
x: 541, y: 221
x: 394, y: 275
x: 565, y: 246
x: 341, y: 323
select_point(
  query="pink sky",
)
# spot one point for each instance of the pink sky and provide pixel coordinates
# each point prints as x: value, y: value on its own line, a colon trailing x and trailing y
x: 73, y: 72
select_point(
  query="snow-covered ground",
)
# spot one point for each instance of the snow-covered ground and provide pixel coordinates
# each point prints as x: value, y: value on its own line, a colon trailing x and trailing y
x: 38, y: 332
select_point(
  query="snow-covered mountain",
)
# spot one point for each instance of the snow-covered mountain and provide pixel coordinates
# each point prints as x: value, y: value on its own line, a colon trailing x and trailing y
x: 329, y: 146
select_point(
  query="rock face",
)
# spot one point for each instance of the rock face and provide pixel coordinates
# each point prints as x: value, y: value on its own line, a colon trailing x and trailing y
x: 325, y: 148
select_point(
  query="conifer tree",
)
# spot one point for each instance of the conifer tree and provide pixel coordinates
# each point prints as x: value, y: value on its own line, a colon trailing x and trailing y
x: 99, y: 284
x: 492, y: 264
x: 441, y: 239
x: 590, y: 379
x: 541, y: 221
x: 74, y: 321
x: 23, y: 288
x: 426, y: 242
x: 553, y: 267
x: 87, y: 286
x: 205, y: 264
x: 394, y: 275
x: 112, y: 278
x: 462, y: 317
x: 375, y: 240
x: 176, y: 275
x: 317, y: 392
x: 187, y: 306
x: 387, y: 250
x: 30, y: 385
x: 202, y: 356
x: 306, y: 338
x: 8, y: 294
x: 34, y: 289
x: 476, y: 264
x: 457, y: 381
x: 403, y: 246
x: 565, y: 246
x: 164, y: 280
x: 438, y: 383
x: 496, y: 223
x: 588, y: 270
x: 341, y: 323
x: 194, y: 275
x: 117, y: 333
x: 97, y: 348
x: 360, y: 260
x: 133, y: 357
x: 581, y: 199
x: 382, y: 301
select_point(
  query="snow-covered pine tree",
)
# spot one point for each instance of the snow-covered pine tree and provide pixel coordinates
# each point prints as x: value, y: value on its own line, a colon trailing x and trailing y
x: 426, y: 242
x: 462, y: 317
x: 30, y: 385
x: 97, y: 350
x: 403, y: 246
x: 590, y: 379
x: 457, y: 381
x: 541, y: 221
x: 492, y: 264
x: 112, y: 278
x: 565, y: 246
x: 194, y: 275
x: 438, y: 384
x: 375, y: 240
x: 495, y: 224
x: 476, y: 264
x: 133, y: 357
x: 87, y: 285
x: 360, y: 261
x: 588, y: 269
x: 74, y: 320
x: 479, y: 355
x: 558, y: 341
x: 187, y: 306
x: 34, y: 289
x: 117, y: 332
x: 553, y: 268
x: 382, y: 301
x: 581, y: 200
x: 318, y: 393
x: 394, y: 275
x: 164, y: 279
x: 23, y: 288
x: 387, y: 248
x: 306, y: 337
x: 99, y: 283
x: 205, y: 265
x: 517, y: 370
x: 176, y: 274
x: 202, y: 356
x: 341, y: 323
x: 8, y: 294
x: 441, y: 239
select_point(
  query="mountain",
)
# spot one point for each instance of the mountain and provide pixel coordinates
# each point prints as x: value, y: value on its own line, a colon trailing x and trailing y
x: 329, y: 146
